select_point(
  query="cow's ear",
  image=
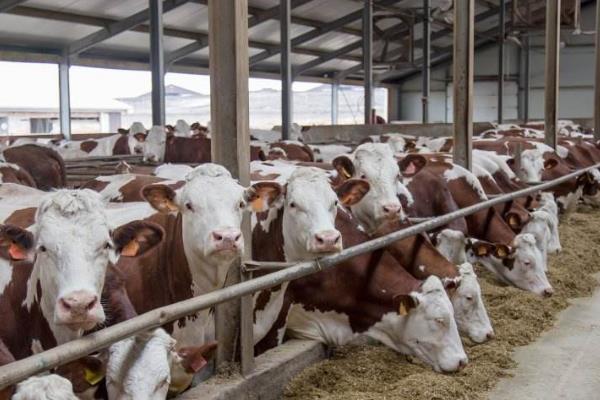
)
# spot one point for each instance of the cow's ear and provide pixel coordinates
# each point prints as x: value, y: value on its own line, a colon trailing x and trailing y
x: 123, y: 131
x: 513, y: 220
x: 193, y: 359
x: 501, y: 251
x: 344, y: 166
x: 451, y: 283
x: 161, y: 197
x: 16, y: 243
x: 140, y: 137
x: 352, y: 191
x: 262, y: 195
x: 406, y: 302
x: 550, y: 163
x: 137, y: 237
x: 412, y: 164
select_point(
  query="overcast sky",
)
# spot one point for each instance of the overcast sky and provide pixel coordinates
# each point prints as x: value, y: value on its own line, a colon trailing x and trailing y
x: 19, y: 79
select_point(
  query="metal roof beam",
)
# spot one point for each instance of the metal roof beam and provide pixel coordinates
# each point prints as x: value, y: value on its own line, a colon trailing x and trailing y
x: 298, y: 70
x: 312, y: 34
x: 6, y: 5
x: 118, y: 27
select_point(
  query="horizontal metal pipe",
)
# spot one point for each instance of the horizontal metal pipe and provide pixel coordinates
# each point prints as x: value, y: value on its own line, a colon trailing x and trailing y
x: 22, y: 369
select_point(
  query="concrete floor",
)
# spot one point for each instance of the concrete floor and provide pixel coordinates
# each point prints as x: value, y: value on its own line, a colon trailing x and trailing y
x: 564, y: 363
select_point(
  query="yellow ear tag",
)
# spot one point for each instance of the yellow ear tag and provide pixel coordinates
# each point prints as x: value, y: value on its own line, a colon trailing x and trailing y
x: 258, y: 204
x: 501, y: 252
x: 131, y: 249
x: 481, y: 251
x: 512, y: 221
x: 92, y: 377
x: 402, y: 310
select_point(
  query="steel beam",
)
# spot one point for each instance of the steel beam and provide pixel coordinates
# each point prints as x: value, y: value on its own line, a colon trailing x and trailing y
x: 286, y: 69
x: 501, y: 35
x: 552, y: 69
x: 312, y: 34
x: 426, y: 88
x: 64, y: 98
x: 335, y: 99
x: 157, y: 62
x: 186, y: 50
x: 298, y: 70
x: 464, y: 38
x: 6, y: 5
x: 367, y: 49
x: 118, y: 27
x: 526, y: 80
x: 597, y: 77
x: 230, y: 147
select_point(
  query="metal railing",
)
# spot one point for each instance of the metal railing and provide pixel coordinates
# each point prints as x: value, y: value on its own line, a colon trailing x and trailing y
x: 24, y: 368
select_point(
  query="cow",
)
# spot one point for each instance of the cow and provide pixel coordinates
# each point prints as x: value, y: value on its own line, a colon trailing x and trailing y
x: 375, y: 163
x: 370, y: 294
x: 43, y: 164
x: 172, y: 171
x: 48, y: 387
x: 162, y: 147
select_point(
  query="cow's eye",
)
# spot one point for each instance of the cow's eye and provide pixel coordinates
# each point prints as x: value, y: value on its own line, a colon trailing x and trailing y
x: 469, y: 298
x: 363, y: 176
x: 440, y: 321
x: 188, y: 205
x: 335, y: 204
x: 107, y: 246
x: 42, y: 249
x: 242, y: 204
x: 293, y: 205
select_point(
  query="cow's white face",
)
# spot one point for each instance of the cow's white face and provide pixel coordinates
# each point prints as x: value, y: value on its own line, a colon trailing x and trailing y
x: 155, y: 145
x: 375, y: 163
x: 539, y: 226
x: 522, y: 266
x: 469, y: 311
x: 451, y: 244
x: 309, y: 213
x: 72, y: 245
x: 140, y: 367
x: 45, y: 387
x: 532, y: 166
x: 211, y: 204
x: 428, y: 331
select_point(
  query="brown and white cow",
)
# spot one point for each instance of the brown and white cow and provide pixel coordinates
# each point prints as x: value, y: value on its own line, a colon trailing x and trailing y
x: 369, y: 294
x: 43, y: 164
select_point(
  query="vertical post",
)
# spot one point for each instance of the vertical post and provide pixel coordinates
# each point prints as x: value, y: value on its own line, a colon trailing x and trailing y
x: 463, y: 81
x: 64, y: 97
x: 286, y: 69
x: 426, y: 60
x: 367, y: 42
x: 552, y: 68
x: 335, y: 93
x: 597, y: 84
x: 157, y: 62
x: 527, y: 84
x: 230, y: 147
x: 501, y: 35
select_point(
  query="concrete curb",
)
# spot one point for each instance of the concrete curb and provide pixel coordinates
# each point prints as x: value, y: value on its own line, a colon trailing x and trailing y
x: 274, y: 370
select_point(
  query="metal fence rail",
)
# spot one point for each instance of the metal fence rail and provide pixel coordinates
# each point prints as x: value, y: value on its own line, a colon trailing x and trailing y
x: 24, y: 368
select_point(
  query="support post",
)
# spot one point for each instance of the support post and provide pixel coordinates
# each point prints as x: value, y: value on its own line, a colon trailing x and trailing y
x: 597, y: 76
x: 230, y: 147
x: 335, y: 93
x: 64, y: 97
x: 367, y: 42
x: 527, y: 84
x: 157, y: 62
x: 501, y: 37
x: 426, y: 88
x: 463, y: 81
x: 552, y: 68
x: 286, y: 69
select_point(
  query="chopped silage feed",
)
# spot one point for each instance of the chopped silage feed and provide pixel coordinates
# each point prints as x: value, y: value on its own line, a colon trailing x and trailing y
x: 372, y: 371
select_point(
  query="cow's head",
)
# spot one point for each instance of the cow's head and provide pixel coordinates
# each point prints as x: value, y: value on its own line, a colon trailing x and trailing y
x: 469, y: 311
x: 211, y: 203
x: 374, y: 163
x: 45, y: 387
x: 155, y: 145
x: 72, y: 244
x: 310, y: 208
x: 521, y: 265
x: 148, y: 366
x: 424, y: 327
x: 532, y: 165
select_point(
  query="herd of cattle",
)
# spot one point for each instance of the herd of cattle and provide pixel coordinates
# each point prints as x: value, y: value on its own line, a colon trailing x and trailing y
x: 76, y: 260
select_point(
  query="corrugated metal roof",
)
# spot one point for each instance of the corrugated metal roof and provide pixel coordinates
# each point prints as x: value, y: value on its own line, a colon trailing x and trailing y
x: 47, y: 26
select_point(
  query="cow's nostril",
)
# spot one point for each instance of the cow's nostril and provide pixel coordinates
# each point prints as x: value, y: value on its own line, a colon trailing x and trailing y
x: 490, y: 335
x: 92, y: 303
x: 319, y: 239
x: 217, y: 237
x: 237, y: 237
x: 65, y: 304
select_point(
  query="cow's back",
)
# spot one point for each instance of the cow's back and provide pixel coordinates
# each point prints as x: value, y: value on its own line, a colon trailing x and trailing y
x: 45, y: 165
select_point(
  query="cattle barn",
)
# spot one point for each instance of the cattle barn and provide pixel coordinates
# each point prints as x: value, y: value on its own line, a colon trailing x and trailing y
x: 299, y: 199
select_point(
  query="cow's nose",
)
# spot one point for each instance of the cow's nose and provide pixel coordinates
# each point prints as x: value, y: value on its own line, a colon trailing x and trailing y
x: 548, y: 292
x: 391, y: 209
x: 78, y: 303
x: 462, y: 363
x: 490, y: 335
x: 327, y: 241
x: 226, y: 239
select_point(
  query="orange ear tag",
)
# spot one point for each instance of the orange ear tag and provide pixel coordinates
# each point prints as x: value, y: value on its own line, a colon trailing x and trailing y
x: 132, y: 249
